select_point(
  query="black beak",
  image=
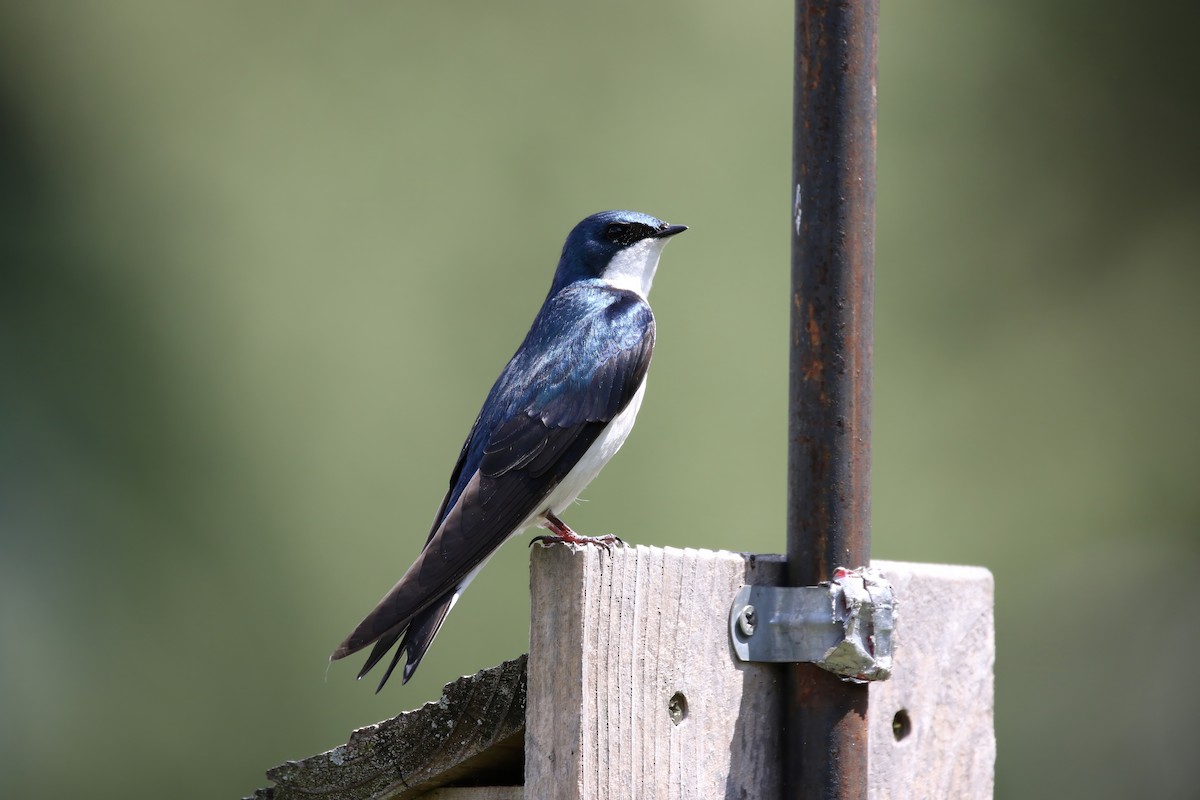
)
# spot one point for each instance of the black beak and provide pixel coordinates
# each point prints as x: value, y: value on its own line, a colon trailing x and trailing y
x: 670, y: 230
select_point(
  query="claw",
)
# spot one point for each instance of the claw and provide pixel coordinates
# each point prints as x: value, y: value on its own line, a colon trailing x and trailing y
x: 561, y: 534
x: 607, y: 541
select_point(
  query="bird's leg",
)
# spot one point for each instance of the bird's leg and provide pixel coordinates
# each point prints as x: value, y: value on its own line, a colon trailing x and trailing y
x: 561, y: 534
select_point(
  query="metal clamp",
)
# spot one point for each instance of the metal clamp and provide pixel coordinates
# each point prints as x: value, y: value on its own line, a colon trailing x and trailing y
x: 844, y: 626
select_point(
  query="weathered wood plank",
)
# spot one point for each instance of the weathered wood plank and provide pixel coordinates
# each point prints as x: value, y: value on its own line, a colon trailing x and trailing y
x: 634, y: 690
x: 942, y: 679
x: 474, y: 731
x: 615, y: 636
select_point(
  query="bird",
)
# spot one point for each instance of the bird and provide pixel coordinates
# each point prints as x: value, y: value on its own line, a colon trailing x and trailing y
x: 560, y: 409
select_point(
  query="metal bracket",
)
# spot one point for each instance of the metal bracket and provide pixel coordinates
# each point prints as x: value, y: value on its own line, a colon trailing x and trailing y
x: 844, y: 626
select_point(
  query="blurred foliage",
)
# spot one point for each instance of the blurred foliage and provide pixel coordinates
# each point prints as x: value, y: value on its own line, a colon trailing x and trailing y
x: 259, y: 264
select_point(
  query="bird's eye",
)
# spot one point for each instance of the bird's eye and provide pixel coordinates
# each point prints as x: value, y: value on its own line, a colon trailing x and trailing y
x: 626, y: 234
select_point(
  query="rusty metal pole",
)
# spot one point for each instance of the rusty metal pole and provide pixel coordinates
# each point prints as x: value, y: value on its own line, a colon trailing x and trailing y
x: 829, y: 450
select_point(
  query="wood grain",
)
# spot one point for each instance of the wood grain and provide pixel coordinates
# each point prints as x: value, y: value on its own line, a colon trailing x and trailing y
x: 614, y: 638
x: 942, y: 679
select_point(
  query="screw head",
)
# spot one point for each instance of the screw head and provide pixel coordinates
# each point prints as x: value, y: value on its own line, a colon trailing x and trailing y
x: 747, y: 620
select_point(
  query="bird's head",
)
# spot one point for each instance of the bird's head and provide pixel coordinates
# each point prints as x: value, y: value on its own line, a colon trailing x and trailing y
x: 620, y: 248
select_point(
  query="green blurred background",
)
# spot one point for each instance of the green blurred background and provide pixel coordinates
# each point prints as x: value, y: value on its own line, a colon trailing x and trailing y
x: 260, y: 262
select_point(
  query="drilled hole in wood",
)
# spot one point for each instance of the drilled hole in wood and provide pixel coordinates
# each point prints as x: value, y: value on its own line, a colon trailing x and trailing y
x: 901, y: 725
x: 677, y: 708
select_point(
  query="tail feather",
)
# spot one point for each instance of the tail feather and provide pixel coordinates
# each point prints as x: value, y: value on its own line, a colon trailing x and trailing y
x: 382, y: 645
x: 411, y: 613
x: 421, y: 632
x: 425, y: 585
x: 391, y: 666
x: 415, y: 639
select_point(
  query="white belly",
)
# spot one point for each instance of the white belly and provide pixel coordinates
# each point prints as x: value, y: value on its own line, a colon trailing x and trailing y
x: 604, y: 448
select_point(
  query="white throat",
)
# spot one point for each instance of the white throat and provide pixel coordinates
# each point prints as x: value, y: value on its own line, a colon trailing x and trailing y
x: 633, y: 268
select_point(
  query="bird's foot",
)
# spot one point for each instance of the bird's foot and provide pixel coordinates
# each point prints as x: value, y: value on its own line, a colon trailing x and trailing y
x: 560, y: 533
x: 606, y: 541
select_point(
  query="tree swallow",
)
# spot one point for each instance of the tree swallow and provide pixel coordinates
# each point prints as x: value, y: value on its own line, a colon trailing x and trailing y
x: 559, y: 411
